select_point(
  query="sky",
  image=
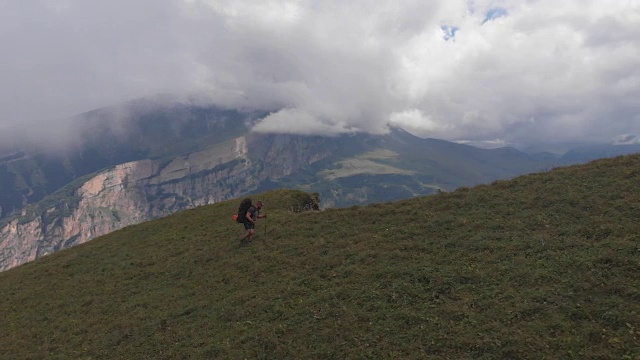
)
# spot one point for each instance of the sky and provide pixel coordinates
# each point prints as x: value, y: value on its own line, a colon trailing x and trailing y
x: 499, y: 72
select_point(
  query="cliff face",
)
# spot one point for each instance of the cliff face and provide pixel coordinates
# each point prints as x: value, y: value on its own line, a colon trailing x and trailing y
x: 142, y: 190
x: 37, y: 161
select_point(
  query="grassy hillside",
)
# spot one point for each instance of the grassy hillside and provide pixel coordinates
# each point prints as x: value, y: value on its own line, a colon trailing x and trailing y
x: 543, y: 266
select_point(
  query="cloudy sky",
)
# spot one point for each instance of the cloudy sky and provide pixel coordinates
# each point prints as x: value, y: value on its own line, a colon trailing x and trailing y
x: 509, y: 71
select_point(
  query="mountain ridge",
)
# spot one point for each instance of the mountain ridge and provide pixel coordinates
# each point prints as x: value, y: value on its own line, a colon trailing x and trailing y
x: 199, y: 155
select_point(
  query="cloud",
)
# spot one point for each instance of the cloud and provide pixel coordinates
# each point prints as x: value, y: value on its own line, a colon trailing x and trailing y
x: 301, y: 122
x: 478, y: 70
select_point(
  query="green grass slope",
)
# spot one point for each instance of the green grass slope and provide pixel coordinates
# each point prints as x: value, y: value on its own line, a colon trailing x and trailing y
x: 542, y: 266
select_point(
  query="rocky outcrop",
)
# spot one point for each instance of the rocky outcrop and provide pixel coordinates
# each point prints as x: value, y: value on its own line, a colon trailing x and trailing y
x: 142, y: 190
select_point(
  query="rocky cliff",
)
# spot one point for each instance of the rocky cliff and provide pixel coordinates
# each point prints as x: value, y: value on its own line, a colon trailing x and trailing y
x: 142, y: 190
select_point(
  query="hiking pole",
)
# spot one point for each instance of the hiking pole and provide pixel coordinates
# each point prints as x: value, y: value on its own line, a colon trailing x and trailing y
x: 265, y: 227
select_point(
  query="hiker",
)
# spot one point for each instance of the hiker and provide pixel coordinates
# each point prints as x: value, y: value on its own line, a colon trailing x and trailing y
x: 251, y: 217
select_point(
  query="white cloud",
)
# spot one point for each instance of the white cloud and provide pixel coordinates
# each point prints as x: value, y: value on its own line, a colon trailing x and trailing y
x: 535, y: 70
x: 485, y: 144
x: 415, y: 120
x: 297, y: 121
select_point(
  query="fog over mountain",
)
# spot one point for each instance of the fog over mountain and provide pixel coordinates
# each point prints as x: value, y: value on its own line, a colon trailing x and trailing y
x: 493, y: 72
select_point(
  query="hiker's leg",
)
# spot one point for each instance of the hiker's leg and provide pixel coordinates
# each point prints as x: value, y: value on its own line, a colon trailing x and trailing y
x: 248, y: 228
x: 251, y: 233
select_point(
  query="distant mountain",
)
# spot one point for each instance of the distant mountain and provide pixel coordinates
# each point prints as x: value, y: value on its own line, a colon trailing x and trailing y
x: 568, y: 153
x: 147, y: 159
x: 587, y: 153
x: 365, y: 168
x: 35, y: 163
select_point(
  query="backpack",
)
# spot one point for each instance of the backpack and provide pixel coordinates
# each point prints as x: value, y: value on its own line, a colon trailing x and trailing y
x: 242, y: 210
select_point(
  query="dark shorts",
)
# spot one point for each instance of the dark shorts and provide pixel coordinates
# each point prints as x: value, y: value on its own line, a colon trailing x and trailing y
x: 249, y: 225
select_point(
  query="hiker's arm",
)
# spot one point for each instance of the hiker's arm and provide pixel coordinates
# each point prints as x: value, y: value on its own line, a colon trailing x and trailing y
x: 249, y: 217
x: 262, y: 216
